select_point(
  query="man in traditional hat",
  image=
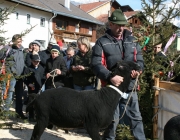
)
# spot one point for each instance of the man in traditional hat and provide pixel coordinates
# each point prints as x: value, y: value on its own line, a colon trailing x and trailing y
x: 118, y: 44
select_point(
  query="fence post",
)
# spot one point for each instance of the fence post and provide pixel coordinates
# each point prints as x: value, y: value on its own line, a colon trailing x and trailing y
x: 155, y: 120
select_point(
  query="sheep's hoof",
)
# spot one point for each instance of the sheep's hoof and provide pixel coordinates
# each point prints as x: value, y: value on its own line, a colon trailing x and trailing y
x: 66, y: 131
x: 50, y: 126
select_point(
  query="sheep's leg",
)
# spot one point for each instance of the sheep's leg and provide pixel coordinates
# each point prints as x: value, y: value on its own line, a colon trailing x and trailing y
x: 93, y: 132
x: 38, y: 129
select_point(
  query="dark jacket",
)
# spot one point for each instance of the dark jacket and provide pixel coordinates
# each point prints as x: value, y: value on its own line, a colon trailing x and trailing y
x: 85, y: 77
x: 47, y: 52
x: 43, y: 57
x: 57, y: 63
x: 161, y: 59
x: 68, y: 61
x: 108, y: 50
x: 34, y: 76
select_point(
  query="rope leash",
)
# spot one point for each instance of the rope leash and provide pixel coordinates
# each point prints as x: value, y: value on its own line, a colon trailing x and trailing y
x: 51, y: 75
x: 133, y: 90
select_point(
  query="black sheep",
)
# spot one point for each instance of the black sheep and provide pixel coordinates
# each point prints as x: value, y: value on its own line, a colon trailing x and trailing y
x: 172, y: 129
x: 68, y: 108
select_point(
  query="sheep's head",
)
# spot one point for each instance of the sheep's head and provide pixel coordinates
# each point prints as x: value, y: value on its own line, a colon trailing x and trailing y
x: 124, y: 69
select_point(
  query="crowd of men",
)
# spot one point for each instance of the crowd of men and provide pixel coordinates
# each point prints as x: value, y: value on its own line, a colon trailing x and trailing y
x: 78, y: 69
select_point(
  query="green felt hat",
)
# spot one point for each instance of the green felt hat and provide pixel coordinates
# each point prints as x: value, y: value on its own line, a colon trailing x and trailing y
x: 118, y: 17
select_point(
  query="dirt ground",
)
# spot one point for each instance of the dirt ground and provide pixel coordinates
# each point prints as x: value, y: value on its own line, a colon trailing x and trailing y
x: 22, y: 130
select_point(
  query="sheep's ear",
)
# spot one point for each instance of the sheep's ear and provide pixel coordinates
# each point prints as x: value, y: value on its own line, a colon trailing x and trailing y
x: 121, y: 67
x: 119, y: 62
x: 136, y: 66
x: 115, y: 66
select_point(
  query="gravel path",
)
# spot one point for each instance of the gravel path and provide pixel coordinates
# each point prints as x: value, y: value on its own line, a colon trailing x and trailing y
x: 23, y: 130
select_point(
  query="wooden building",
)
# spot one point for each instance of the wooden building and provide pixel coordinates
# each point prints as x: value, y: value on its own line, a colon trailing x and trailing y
x: 65, y: 21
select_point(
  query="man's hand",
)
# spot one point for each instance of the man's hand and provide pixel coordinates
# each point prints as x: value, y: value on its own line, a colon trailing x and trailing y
x: 31, y: 86
x: 74, y: 68
x: 116, y: 80
x: 34, y: 52
x: 80, y: 67
x: 134, y: 73
x: 48, y: 75
x: 58, y: 71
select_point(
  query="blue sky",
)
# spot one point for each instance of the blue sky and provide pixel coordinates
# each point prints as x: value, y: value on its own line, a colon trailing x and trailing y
x: 135, y: 4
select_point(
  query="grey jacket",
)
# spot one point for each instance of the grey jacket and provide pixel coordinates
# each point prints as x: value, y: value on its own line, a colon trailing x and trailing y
x: 16, y: 60
x: 107, y: 51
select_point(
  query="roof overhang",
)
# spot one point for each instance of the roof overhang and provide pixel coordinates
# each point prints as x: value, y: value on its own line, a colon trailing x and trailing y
x: 76, y: 17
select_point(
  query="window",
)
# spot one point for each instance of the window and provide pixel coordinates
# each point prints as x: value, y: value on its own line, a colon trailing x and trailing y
x: 136, y: 21
x: 42, y: 22
x: 61, y: 25
x: 77, y: 26
x: 90, y: 30
x: 17, y: 15
x: 28, y: 18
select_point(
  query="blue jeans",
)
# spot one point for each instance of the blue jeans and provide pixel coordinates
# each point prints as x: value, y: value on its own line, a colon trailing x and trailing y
x: 43, y: 88
x: 79, y: 88
x: 8, y: 101
x: 133, y: 115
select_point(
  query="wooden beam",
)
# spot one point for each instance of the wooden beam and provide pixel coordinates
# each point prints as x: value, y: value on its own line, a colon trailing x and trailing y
x: 170, y: 85
x: 155, y: 120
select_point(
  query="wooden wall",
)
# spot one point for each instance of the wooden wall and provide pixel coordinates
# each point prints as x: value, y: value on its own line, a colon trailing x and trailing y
x: 70, y: 29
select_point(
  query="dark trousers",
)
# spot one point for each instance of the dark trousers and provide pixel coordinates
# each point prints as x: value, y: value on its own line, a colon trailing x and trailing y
x: 68, y: 82
x: 19, y: 90
x: 133, y: 116
x: 31, y: 113
x: 31, y: 109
